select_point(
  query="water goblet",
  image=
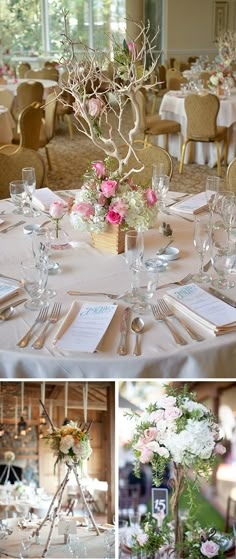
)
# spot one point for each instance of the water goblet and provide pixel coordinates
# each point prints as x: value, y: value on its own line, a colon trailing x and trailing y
x: 202, y: 243
x: 35, y: 276
x: 17, y: 193
x: 212, y: 192
x: 223, y: 258
x: 29, y: 180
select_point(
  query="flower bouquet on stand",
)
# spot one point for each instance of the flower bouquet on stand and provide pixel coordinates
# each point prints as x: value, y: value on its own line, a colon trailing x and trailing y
x: 179, y: 431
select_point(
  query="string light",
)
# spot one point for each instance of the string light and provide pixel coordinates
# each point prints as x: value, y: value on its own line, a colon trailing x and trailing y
x: 16, y: 420
x: 66, y: 420
x: 42, y: 419
x: 22, y: 425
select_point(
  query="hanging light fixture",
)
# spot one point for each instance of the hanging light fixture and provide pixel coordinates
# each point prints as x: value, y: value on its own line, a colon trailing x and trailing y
x: 42, y: 419
x: 66, y: 420
x: 29, y: 428
x: 22, y: 425
x: 1, y: 420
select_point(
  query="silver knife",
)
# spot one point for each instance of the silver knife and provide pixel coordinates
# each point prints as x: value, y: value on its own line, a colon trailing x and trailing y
x: 223, y: 297
x: 122, y: 349
x: 12, y: 226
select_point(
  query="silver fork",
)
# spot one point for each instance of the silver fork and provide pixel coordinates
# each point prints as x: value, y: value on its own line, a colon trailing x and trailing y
x: 182, y: 281
x: 110, y: 295
x: 159, y: 315
x: 42, y: 316
x: 168, y: 312
x: 53, y: 318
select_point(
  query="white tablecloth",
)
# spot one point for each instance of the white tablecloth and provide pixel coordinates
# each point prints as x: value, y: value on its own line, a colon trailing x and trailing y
x: 12, y: 85
x: 85, y: 268
x: 172, y: 107
x: 6, y: 126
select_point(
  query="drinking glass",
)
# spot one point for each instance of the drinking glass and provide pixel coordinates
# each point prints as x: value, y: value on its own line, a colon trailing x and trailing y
x: 202, y: 243
x: 228, y: 210
x: 223, y: 258
x: 160, y: 184
x: 29, y: 180
x: 109, y: 540
x: 134, y: 519
x: 35, y: 276
x: 73, y: 542
x: 212, y: 192
x: 41, y: 250
x: 17, y: 193
x: 134, y: 251
x: 144, y: 281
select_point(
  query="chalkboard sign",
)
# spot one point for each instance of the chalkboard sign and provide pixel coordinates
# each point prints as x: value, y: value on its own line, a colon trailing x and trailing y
x: 159, y: 501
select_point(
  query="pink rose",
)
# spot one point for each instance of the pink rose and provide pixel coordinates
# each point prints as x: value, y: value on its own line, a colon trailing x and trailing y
x: 102, y: 200
x: 142, y: 539
x: 108, y: 188
x: 131, y: 47
x: 120, y: 207
x: 146, y: 455
x: 168, y: 402
x: 84, y: 208
x: 150, y: 434
x: 57, y: 209
x: 209, y: 548
x: 219, y: 449
x: 114, y: 218
x: 94, y: 107
x: 172, y: 413
x: 150, y: 197
x: 157, y: 415
x: 99, y: 168
x: 140, y: 445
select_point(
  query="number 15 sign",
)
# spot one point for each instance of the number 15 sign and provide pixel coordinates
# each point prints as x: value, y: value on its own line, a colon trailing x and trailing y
x: 160, y: 501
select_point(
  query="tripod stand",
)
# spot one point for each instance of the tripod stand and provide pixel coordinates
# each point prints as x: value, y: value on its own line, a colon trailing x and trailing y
x: 6, y: 471
x: 54, y: 508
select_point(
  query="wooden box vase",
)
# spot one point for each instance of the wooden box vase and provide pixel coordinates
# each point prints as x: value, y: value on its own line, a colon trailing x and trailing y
x: 111, y: 240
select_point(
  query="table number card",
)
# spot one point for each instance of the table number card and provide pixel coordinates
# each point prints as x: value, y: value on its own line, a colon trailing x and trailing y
x: 159, y: 501
x: 66, y: 527
x: 88, y: 327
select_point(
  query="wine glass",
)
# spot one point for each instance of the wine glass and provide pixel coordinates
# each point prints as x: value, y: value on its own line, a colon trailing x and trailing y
x: 212, y: 192
x: 223, y: 258
x: 35, y: 276
x: 228, y: 210
x: 29, y: 180
x: 202, y: 243
x: 160, y: 184
x: 17, y: 193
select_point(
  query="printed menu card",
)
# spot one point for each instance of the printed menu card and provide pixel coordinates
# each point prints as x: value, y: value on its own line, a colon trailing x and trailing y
x: 192, y: 204
x: 7, y: 291
x: 84, y: 329
x: 203, y: 307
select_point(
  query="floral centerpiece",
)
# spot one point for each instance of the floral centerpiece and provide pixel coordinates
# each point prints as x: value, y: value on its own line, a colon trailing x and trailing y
x: 9, y: 456
x: 201, y: 543
x: 179, y: 430
x: 149, y: 539
x: 219, y: 76
x: 69, y: 443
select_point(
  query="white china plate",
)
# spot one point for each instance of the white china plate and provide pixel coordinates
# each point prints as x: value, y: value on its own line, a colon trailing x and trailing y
x: 171, y: 253
x: 156, y: 264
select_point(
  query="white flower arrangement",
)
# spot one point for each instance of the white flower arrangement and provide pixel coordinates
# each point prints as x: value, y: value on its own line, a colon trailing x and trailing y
x: 9, y: 456
x: 69, y: 443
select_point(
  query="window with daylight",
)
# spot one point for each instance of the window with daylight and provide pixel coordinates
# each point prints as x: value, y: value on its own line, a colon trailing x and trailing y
x: 34, y: 27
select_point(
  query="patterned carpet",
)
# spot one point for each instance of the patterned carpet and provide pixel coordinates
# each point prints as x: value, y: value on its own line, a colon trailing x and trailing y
x: 71, y: 157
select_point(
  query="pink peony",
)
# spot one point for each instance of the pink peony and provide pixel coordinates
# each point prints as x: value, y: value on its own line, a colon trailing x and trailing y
x: 108, y: 188
x: 209, y: 548
x: 57, y: 209
x: 142, y: 539
x: 95, y: 107
x: 99, y: 168
x: 150, y: 434
x: 146, y: 455
x: 84, y: 208
x: 114, y: 218
x: 172, y: 413
x: 219, y: 449
x: 150, y: 197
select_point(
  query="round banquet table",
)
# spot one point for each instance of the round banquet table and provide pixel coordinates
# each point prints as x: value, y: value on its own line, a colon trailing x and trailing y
x: 172, y: 107
x: 12, y: 85
x: 94, y: 544
x: 85, y: 268
x: 6, y: 126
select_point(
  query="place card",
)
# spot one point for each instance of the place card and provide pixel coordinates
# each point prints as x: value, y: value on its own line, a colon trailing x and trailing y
x: 192, y: 204
x: 83, y: 330
x: 203, y: 307
x: 43, y: 198
x: 67, y: 526
x: 7, y: 290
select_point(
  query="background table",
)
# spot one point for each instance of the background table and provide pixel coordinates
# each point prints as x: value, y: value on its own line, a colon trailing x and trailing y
x: 6, y: 126
x: 84, y: 268
x: 172, y: 107
x: 12, y: 85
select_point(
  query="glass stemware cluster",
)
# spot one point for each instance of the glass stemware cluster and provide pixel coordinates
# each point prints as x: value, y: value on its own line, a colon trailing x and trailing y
x: 21, y: 192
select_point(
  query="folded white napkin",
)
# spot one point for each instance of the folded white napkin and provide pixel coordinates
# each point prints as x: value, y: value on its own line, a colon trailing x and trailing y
x: 43, y: 198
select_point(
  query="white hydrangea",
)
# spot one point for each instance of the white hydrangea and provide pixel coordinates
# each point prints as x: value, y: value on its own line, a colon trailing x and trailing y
x: 66, y: 443
x: 195, y: 440
x: 82, y: 450
x: 190, y: 406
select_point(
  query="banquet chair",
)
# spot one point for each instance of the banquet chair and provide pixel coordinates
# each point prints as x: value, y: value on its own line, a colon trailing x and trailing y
x: 29, y: 126
x: 172, y: 73
x: 201, y: 112
x: 27, y: 93
x: 12, y: 163
x: 231, y: 175
x: 153, y: 125
x: 43, y: 74
x: 148, y: 155
x: 65, y: 109
x: 6, y: 98
x: 51, y: 64
x: 48, y: 124
x: 22, y: 69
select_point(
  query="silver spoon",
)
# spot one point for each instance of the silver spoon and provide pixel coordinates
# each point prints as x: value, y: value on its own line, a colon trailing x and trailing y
x: 137, y: 326
x: 163, y: 249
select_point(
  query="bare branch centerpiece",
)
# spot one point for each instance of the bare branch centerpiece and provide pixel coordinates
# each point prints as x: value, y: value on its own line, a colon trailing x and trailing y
x: 178, y: 430
x: 110, y: 200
